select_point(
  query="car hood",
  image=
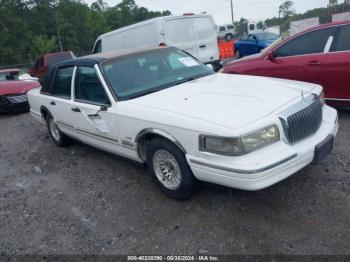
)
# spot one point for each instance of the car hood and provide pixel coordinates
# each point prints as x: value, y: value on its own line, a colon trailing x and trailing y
x: 17, y: 87
x: 227, y: 100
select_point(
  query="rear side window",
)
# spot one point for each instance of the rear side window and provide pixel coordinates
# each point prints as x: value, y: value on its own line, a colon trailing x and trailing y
x: 88, y: 88
x: 308, y: 43
x: 62, y: 83
x: 222, y: 29
x: 342, y: 41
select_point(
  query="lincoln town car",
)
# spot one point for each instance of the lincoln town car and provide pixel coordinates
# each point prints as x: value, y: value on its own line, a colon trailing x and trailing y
x: 186, y: 123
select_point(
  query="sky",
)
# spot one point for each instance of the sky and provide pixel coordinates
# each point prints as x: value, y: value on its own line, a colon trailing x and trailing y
x: 220, y: 9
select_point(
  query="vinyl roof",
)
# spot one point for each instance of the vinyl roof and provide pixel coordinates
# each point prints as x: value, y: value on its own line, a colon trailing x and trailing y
x: 91, y: 60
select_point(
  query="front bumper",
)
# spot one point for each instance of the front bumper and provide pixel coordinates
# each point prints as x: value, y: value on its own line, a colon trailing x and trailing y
x: 264, y: 167
x: 14, y: 104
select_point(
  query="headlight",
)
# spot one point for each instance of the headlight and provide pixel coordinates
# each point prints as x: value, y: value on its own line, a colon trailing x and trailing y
x: 221, y: 70
x: 322, y: 98
x: 240, y: 145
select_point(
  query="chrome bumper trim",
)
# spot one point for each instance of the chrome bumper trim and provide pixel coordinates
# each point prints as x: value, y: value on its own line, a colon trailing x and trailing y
x: 241, y: 171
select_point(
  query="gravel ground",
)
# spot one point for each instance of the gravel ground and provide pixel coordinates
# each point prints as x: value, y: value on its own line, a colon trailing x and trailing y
x: 80, y: 200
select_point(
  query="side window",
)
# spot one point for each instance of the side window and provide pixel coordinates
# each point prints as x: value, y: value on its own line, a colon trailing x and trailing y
x: 97, y: 48
x: 342, y: 41
x: 62, y: 83
x: 309, y: 43
x: 88, y: 88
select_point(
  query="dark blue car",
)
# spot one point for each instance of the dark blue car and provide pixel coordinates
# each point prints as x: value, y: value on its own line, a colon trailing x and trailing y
x: 253, y: 43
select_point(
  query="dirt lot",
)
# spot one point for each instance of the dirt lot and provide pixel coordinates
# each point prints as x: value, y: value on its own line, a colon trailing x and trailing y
x: 79, y: 200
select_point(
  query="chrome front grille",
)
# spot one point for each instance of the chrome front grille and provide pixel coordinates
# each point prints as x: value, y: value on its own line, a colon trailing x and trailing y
x: 303, y: 120
x: 17, y: 99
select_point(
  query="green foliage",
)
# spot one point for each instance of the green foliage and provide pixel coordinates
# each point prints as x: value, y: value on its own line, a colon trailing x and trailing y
x: 325, y: 15
x: 29, y: 28
x: 287, y: 9
x: 42, y: 45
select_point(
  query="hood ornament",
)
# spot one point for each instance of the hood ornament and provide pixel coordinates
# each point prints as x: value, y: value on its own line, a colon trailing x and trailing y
x: 302, y: 95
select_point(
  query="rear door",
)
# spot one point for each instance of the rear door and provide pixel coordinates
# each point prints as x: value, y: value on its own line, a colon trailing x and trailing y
x: 337, y: 66
x: 59, y: 101
x: 179, y: 33
x: 301, y: 58
x: 206, y: 39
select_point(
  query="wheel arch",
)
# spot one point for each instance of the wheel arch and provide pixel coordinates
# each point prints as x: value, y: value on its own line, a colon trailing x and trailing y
x: 44, y: 112
x: 147, y: 135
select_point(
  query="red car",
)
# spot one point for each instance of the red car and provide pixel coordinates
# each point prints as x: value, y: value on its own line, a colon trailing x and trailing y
x: 42, y: 64
x: 318, y: 55
x: 13, y: 91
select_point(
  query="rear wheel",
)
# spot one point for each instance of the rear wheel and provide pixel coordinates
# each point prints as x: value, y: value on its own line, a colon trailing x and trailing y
x: 57, y: 136
x: 169, y: 169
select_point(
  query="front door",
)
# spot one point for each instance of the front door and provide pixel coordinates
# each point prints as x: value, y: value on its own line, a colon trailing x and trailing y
x: 95, y: 111
x: 301, y: 58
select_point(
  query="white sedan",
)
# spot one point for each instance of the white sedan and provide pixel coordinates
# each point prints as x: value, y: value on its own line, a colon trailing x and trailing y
x: 164, y: 108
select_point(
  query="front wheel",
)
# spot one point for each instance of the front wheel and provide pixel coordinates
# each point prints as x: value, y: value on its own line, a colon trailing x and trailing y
x: 57, y: 136
x: 238, y: 54
x: 169, y: 169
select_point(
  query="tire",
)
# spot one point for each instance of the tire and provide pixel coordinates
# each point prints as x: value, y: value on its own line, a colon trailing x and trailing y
x: 169, y: 169
x: 238, y: 54
x: 228, y: 37
x: 57, y: 136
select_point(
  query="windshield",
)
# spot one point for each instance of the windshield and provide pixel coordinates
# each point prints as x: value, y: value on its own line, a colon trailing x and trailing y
x: 266, y: 36
x: 146, y: 72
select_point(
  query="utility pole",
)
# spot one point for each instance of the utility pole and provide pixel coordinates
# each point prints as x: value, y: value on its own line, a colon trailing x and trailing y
x: 233, y: 21
x: 59, y: 35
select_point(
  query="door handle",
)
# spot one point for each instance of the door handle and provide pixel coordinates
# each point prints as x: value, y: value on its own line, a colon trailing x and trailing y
x: 202, y: 46
x: 313, y: 63
x: 53, y: 103
x: 76, y: 109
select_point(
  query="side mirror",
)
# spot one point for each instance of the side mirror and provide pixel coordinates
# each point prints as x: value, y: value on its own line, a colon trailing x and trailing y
x: 271, y: 56
x: 210, y: 66
x: 104, y: 108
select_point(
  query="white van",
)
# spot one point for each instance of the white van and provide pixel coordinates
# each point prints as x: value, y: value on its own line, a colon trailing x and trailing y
x: 195, y: 34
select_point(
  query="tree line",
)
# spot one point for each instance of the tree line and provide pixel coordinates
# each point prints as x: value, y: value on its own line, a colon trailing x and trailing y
x: 30, y: 28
